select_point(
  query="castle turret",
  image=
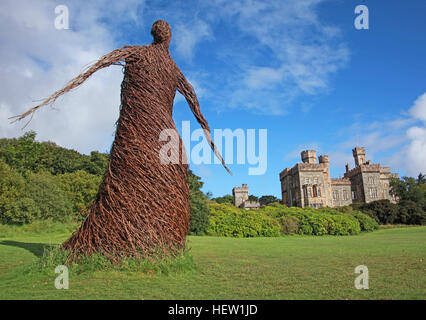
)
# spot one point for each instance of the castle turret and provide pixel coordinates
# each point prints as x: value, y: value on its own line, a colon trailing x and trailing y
x: 326, y: 188
x: 359, y: 155
x: 323, y: 159
x: 309, y: 156
x: 240, y: 194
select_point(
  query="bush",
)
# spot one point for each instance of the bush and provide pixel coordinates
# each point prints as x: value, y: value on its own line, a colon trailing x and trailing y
x: 366, y: 223
x: 383, y: 211
x: 225, y: 199
x: 52, y: 202
x: 411, y: 213
x: 20, y: 211
x: 230, y: 221
x: 289, y: 225
x: 344, y: 224
x: 198, y: 206
x: 26, y: 200
x: 79, y: 187
x: 266, y: 200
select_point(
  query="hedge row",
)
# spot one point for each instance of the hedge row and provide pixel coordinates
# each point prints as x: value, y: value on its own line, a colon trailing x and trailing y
x: 229, y: 221
x: 276, y: 219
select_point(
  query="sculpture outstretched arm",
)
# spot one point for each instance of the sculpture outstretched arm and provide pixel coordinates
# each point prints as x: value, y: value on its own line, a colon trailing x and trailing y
x: 188, y: 92
x: 109, y: 59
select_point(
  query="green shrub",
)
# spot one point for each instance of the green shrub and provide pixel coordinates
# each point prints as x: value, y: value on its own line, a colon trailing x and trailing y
x: 289, y: 225
x: 52, y: 202
x: 230, y: 221
x: 344, y: 224
x: 411, y: 213
x: 225, y: 199
x: 79, y: 187
x: 383, y: 211
x: 198, y: 206
x: 366, y: 222
x: 20, y: 211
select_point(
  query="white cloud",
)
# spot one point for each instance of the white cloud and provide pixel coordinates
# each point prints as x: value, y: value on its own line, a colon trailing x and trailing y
x: 259, y: 78
x: 304, y: 51
x: 416, y: 150
x: 188, y: 35
x: 418, y: 110
x: 399, y: 143
x: 36, y: 60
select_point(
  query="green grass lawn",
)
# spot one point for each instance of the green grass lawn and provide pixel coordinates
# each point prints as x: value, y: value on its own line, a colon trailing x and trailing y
x: 292, y: 267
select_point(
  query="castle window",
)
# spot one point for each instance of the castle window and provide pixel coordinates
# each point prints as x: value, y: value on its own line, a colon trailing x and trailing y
x: 345, y: 195
x: 373, y: 192
x: 309, y: 192
x: 306, y: 180
x: 316, y: 180
x: 371, y: 180
x: 319, y: 191
x: 353, y: 195
x: 314, y: 191
x: 335, y: 195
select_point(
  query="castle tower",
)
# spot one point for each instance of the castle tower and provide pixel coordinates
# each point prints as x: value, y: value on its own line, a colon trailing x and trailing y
x: 359, y: 156
x: 309, y: 156
x: 325, y: 161
x: 240, y: 195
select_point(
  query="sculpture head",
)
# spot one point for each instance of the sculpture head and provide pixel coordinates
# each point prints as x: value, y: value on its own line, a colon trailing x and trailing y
x: 161, y: 32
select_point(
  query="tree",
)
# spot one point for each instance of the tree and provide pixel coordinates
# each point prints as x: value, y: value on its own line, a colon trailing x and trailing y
x: 253, y: 198
x: 24, y: 154
x: 53, y: 203
x: 225, y: 199
x: 421, y: 178
x: 265, y: 200
x: 411, y: 213
x: 15, y: 207
x: 80, y: 187
x: 199, y: 221
x: 383, y: 211
x: 408, y: 188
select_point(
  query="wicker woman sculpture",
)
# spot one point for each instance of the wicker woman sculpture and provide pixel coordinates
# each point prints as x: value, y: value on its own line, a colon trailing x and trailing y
x: 142, y: 205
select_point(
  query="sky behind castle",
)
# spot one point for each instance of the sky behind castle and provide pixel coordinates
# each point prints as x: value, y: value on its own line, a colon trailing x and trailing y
x: 298, y: 68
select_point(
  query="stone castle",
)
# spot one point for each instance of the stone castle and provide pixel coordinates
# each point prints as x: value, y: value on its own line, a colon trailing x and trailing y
x: 241, y: 198
x: 308, y: 184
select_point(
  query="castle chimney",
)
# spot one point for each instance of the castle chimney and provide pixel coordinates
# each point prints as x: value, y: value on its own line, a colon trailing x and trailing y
x: 347, y: 167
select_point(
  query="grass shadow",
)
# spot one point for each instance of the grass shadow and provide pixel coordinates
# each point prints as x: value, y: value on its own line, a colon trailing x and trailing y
x: 35, y: 248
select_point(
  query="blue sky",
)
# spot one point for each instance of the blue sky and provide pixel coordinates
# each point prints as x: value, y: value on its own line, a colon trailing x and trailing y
x: 299, y: 69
